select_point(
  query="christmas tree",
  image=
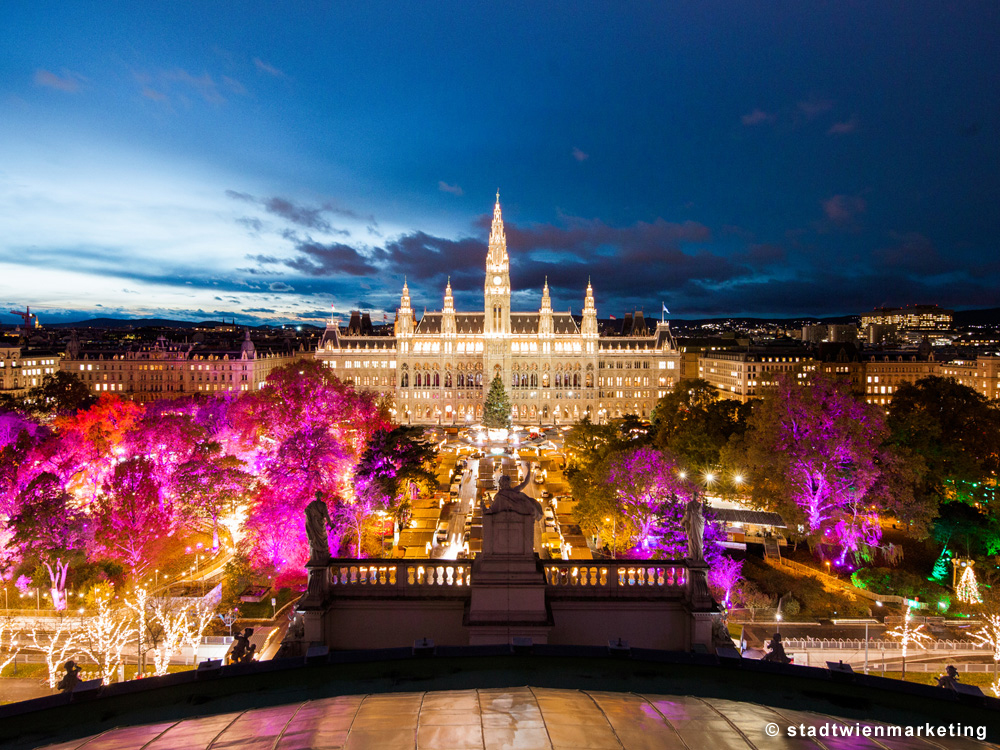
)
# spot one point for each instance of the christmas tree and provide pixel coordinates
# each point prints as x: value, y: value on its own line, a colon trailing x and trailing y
x: 496, y: 412
x: 968, y: 590
x: 942, y: 566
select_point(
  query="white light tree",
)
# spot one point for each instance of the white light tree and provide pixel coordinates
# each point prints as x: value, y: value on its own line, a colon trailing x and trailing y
x: 989, y: 633
x: 908, y: 636
x: 57, y: 643
x: 967, y: 590
x: 10, y: 641
x: 200, y: 617
x: 107, y: 634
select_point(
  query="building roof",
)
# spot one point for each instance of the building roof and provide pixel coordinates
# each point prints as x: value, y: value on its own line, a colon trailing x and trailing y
x: 754, y: 517
x: 488, y: 697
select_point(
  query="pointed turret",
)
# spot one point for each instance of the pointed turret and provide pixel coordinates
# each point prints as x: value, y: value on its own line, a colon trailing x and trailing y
x: 448, y: 312
x: 404, y: 315
x: 589, y: 326
x: 545, y: 327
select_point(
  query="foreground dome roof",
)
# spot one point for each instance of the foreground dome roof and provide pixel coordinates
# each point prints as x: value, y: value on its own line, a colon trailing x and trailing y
x: 523, y: 717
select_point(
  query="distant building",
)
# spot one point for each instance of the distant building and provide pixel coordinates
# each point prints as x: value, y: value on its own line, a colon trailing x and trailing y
x: 169, y: 370
x: 908, y: 324
x: 818, y: 334
x: 22, y: 368
x: 741, y: 375
x: 555, y: 367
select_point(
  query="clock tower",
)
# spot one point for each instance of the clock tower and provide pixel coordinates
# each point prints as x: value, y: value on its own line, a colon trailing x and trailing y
x: 496, y: 324
x: 497, y: 295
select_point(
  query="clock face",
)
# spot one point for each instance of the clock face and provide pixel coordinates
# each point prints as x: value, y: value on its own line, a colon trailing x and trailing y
x: 497, y: 280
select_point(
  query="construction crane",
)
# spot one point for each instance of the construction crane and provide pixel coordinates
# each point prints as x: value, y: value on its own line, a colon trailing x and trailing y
x: 26, y: 316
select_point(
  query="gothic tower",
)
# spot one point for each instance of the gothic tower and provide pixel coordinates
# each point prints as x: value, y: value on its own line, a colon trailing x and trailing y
x: 448, y: 312
x: 497, y: 293
x: 588, y: 328
x: 404, y: 316
x: 545, y: 312
x: 496, y: 325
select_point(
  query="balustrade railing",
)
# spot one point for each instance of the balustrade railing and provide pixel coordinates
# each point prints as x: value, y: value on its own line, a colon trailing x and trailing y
x: 384, y: 574
x: 856, y: 644
x: 618, y: 576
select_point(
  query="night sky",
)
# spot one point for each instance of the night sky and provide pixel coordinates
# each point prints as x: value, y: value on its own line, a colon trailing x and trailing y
x: 269, y: 160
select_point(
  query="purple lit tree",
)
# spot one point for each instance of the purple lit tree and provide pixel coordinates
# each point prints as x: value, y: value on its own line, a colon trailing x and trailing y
x: 49, y: 532
x: 814, y: 454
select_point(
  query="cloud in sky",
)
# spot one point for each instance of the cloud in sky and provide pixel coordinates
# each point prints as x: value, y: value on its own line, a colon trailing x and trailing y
x: 269, y: 69
x: 814, y: 106
x: 757, y: 117
x: 280, y: 286
x: 843, y: 128
x: 579, y: 155
x: 842, y: 210
x: 444, y: 187
x: 68, y: 81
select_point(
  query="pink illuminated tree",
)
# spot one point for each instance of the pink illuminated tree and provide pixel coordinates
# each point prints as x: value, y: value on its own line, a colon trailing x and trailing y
x: 129, y: 520
x: 815, y: 454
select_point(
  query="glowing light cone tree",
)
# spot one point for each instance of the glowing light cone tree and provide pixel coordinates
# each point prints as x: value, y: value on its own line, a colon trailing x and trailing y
x: 967, y: 590
x: 908, y: 635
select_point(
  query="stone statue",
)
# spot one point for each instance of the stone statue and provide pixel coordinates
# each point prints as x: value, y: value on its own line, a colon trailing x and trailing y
x: 511, y: 500
x: 317, y: 523
x: 777, y: 653
x: 694, y: 528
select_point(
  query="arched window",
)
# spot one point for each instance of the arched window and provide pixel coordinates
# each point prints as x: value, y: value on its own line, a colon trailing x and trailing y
x: 534, y: 380
x: 558, y: 380
x: 590, y: 380
x: 405, y: 382
x: 514, y: 380
x: 447, y: 379
x: 437, y: 380
x: 524, y: 381
x: 479, y: 379
x: 545, y: 381
x: 576, y: 380
x: 461, y: 380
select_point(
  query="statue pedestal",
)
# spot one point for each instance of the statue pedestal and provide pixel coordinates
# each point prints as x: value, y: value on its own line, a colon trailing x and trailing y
x: 507, y: 595
x: 703, y: 608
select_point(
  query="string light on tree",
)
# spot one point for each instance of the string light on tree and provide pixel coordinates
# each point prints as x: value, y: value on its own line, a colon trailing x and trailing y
x: 968, y: 589
x: 908, y: 635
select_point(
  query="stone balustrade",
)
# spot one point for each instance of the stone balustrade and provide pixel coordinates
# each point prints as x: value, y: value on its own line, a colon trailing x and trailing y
x: 617, y: 578
x: 389, y: 577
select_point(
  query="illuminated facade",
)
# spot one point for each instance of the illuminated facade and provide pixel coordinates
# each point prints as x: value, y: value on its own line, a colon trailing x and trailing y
x: 437, y: 370
x: 22, y: 369
x: 168, y: 370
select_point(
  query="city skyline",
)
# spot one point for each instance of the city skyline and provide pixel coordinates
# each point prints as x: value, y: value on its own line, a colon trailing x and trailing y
x: 196, y: 163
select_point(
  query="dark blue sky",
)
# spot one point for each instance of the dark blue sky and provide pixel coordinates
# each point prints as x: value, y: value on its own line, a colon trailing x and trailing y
x: 269, y: 160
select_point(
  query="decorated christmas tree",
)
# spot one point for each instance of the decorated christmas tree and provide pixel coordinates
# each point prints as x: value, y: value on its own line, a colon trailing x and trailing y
x: 496, y: 412
x: 968, y: 590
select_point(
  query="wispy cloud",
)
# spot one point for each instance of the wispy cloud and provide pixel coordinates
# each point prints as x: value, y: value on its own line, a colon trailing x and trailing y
x: 68, y: 81
x: 150, y: 93
x: 204, y: 84
x: 843, y: 210
x: 814, y: 106
x: 444, y: 187
x: 757, y: 117
x: 280, y: 286
x: 843, y: 128
x: 269, y: 69
x: 579, y: 155
x: 308, y: 217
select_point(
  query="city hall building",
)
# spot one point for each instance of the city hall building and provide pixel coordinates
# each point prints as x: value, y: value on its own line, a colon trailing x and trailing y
x: 556, y: 367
